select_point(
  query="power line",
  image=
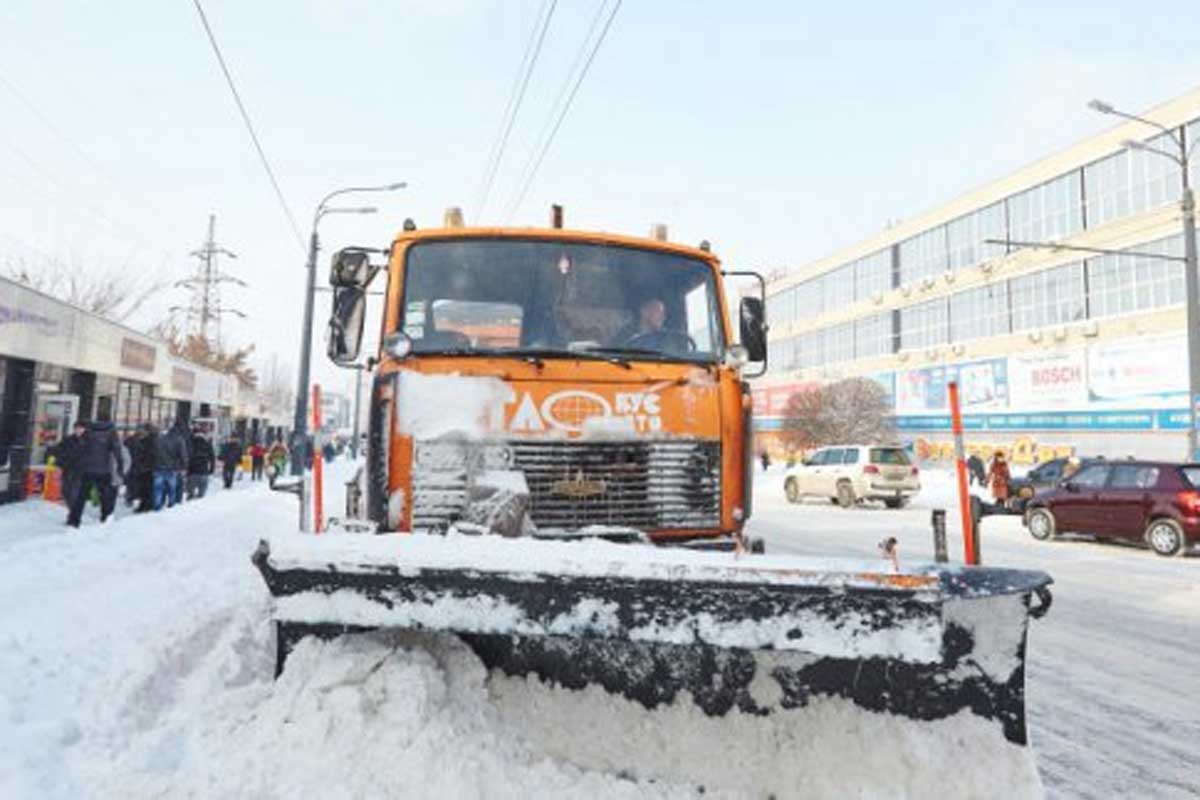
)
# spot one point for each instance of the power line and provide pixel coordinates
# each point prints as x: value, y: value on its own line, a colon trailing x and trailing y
x: 262, y: 156
x: 541, y: 155
x: 537, y: 36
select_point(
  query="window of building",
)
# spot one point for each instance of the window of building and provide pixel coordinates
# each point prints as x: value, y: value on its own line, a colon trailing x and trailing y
x: 839, y: 343
x: 1122, y: 284
x: 1050, y: 297
x: 924, y: 255
x: 873, y: 274
x: 838, y: 287
x: 966, y: 235
x: 873, y: 335
x: 924, y: 325
x: 1131, y: 181
x: 978, y: 313
x: 1048, y: 212
x: 810, y: 350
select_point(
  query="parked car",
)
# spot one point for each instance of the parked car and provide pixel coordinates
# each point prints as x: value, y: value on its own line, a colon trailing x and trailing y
x: 850, y: 473
x: 1150, y: 501
x: 1041, y: 478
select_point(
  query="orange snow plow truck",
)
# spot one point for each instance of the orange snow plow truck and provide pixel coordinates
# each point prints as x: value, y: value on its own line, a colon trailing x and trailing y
x: 559, y: 472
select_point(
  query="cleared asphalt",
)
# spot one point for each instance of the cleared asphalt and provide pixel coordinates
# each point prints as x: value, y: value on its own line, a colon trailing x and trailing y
x: 1114, y: 668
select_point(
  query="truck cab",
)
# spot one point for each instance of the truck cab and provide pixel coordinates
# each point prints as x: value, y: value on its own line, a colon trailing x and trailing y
x: 552, y: 381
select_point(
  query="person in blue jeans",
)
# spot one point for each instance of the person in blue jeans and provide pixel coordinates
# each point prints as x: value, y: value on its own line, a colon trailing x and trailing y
x: 170, y: 458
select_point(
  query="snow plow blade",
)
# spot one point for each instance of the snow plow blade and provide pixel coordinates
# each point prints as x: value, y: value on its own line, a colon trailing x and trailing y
x: 656, y: 624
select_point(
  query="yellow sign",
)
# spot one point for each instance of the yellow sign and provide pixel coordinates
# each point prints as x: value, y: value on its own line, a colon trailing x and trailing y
x: 1024, y: 450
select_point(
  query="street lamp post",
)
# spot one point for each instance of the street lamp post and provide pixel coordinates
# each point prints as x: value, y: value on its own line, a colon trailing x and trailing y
x: 358, y: 371
x: 1187, y: 207
x: 300, y: 421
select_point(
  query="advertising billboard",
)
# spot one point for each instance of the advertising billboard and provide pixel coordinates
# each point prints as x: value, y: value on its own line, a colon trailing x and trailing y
x: 1146, y: 372
x: 1056, y: 379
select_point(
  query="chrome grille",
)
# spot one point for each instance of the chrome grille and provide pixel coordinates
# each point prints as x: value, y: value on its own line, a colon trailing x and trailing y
x: 647, y: 485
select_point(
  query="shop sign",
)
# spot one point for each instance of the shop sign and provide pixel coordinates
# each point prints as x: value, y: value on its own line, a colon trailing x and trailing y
x: 44, y: 325
x: 136, y: 355
x: 183, y: 380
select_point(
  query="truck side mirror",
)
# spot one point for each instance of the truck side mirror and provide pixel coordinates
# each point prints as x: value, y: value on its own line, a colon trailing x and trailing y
x: 753, y: 328
x: 351, y: 267
x: 346, y: 324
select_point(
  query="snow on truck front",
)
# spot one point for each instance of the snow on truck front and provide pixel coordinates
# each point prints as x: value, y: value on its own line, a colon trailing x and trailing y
x: 554, y: 380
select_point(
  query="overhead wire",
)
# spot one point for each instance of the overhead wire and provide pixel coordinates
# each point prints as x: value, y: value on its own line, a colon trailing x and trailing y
x: 262, y: 156
x: 533, y: 48
x: 548, y: 140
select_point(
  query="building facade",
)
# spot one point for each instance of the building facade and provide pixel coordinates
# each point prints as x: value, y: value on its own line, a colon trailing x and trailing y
x: 59, y: 364
x: 1055, y: 351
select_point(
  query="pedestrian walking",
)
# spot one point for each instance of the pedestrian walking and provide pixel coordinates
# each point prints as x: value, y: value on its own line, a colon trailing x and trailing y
x: 277, y: 458
x: 231, y: 455
x: 976, y: 469
x: 999, y: 477
x: 201, y: 463
x: 142, y: 450
x: 258, y: 455
x: 100, y: 447
x: 184, y: 455
x: 765, y: 457
x: 170, y: 458
x: 66, y: 458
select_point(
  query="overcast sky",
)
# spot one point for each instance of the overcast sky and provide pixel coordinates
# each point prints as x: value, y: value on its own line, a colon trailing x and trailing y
x: 780, y: 131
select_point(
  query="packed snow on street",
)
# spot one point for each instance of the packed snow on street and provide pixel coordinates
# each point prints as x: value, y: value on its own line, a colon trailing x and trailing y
x: 137, y: 659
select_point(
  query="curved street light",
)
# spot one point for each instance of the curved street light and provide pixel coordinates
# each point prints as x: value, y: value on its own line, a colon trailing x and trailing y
x: 300, y: 421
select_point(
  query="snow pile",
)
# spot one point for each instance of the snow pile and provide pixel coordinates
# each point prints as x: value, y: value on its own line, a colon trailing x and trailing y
x: 364, y: 716
x: 830, y: 748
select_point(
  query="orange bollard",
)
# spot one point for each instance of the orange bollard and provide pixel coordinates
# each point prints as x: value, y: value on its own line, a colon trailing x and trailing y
x: 960, y: 466
x: 318, y: 460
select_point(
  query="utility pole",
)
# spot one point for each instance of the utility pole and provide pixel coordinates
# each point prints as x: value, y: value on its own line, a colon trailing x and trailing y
x: 204, y: 310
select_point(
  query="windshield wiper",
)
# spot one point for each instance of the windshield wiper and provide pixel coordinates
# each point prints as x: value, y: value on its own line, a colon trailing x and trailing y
x: 539, y: 353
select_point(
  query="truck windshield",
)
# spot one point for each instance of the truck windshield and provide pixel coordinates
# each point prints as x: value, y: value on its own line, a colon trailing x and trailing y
x: 553, y: 298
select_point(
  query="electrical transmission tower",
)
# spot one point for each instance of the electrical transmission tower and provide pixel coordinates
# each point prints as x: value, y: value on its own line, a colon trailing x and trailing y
x: 204, y: 311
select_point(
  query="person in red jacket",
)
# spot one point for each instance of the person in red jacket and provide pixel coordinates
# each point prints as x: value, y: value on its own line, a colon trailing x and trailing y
x: 258, y: 455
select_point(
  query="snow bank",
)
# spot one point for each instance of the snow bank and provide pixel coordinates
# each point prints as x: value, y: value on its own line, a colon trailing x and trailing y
x: 830, y: 748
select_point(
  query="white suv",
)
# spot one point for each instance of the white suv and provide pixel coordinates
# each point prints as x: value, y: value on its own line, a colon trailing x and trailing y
x: 852, y: 473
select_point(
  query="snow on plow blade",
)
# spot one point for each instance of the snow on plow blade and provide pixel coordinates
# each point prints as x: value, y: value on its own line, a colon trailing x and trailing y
x: 750, y: 633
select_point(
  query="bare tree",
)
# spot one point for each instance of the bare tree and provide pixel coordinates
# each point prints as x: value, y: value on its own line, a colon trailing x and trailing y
x: 851, y: 411
x: 199, y: 350
x: 116, y: 293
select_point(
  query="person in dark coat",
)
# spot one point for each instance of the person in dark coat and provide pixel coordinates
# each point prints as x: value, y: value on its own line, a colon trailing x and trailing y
x: 142, y: 450
x: 66, y: 456
x: 170, y: 459
x: 99, y: 450
x: 201, y: 463
x: 231, y: 456
x: 184, y: 437
x: 976, y: 469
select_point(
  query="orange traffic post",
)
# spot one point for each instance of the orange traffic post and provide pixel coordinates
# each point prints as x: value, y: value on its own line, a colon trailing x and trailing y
x: 318, y: 473
x: 960, y: 466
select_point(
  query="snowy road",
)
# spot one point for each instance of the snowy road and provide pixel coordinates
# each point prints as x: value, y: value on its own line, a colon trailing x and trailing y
x: 135, y: 661
x: 1113, y: 705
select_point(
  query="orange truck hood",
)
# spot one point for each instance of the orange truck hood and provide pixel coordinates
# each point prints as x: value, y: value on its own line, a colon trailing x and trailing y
x: 492, y: 398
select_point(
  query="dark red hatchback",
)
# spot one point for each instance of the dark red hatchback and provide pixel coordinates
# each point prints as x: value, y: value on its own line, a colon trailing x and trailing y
x: 1150, y: 501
